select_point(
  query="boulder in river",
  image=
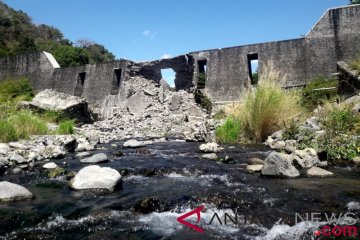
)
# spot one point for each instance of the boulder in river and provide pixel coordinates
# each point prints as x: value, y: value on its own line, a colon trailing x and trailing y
x: 97, y: 158
x: 318, y: 172
x: 306, y: 158
x: 254, y: 168
x: 13, y: 192
x: 50, y: 165
x: 96, y: 177
x: 279, y: 164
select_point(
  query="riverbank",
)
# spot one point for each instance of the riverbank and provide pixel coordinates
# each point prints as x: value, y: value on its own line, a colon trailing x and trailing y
x: 176, y: 177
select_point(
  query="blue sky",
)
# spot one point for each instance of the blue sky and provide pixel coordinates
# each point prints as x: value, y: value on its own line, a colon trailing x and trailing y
x: 149, y: 29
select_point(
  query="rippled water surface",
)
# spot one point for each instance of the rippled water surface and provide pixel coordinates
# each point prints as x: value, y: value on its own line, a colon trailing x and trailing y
x: 178, y: 180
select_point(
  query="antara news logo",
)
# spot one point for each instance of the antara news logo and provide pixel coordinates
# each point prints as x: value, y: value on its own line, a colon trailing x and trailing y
x: 333, y: 229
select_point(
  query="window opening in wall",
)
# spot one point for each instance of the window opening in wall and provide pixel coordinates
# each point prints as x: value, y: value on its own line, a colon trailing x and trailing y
x: 253, y: 64
x: 169, y: 75
x: 116, y: 82
x: 202, y: 74
x: 80, y: 84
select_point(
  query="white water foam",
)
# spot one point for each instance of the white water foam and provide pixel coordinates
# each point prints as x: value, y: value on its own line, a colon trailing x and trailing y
x: 353, y: 206
x: 165, y: 223
x: 206, y: 180
x: 282, y: 231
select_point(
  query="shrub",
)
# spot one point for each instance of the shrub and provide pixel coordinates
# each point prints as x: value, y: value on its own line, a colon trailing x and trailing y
x: 26, y: 124
x: 291, y: 130
x: 229, y: 132
x: 7, y: 132
x: 202, y: 81
x: 66, y: 127
x: 340, y: 119
x: 268, y: 107
x: 203, y: 100
x: 307, y: 139
x: 15, y: 90
x: 340, y: 147
x: 311, y: 97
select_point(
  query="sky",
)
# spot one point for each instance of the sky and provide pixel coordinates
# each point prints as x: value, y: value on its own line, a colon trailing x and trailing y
x: 142, y: 30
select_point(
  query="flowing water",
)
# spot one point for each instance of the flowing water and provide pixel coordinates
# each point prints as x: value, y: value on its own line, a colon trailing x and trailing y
x: 174, y: 178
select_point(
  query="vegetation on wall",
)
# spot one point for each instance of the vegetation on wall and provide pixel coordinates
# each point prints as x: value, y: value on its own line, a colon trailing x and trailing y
x: 355, y: 64
x: 319, y: 91
x: 18, y: 35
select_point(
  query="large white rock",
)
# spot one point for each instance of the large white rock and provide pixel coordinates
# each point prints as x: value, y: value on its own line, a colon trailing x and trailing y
x: 13, y: 192
x: 279, y: 164
x: 50, y: 165
x: 95, y: 177
x: 72, y: 106
x: 318, y: 172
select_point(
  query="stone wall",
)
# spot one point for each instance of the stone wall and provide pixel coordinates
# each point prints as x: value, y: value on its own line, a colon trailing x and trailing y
x: 335, y: 37
x: 38, y: 67
x: 228, y: 74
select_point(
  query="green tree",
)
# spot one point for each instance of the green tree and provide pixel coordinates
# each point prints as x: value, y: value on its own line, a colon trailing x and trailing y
x: 18, y: 34
x: 354, y: 2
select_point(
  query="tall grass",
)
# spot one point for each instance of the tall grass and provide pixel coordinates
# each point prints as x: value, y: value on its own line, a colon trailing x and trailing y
x: 66, y: 127
x: 7, y: 131
x: 27, y: 124
x: 266, y: 109
x: 229, y: 132
x: 15, y: 123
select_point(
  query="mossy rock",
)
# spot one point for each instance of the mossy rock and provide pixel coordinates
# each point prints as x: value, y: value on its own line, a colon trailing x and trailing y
x: 56, y: 172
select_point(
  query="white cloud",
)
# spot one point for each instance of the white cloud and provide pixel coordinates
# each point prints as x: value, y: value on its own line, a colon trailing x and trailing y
x: 149, y: 34
x: 166, y: 56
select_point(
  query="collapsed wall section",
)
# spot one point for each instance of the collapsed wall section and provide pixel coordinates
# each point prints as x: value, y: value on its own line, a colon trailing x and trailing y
x: 181, y: 65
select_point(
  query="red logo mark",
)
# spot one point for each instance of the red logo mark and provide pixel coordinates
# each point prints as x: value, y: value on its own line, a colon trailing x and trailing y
x: 317, y: 233
x: 197, y: 211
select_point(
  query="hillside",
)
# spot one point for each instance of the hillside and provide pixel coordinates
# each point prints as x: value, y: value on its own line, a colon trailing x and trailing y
x: 18, y: 34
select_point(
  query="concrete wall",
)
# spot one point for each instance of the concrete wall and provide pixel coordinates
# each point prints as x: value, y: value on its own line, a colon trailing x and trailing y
x: 93, y: 82
x: 38, y: 67
x: 228, y: 73
x: 335, y: 37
